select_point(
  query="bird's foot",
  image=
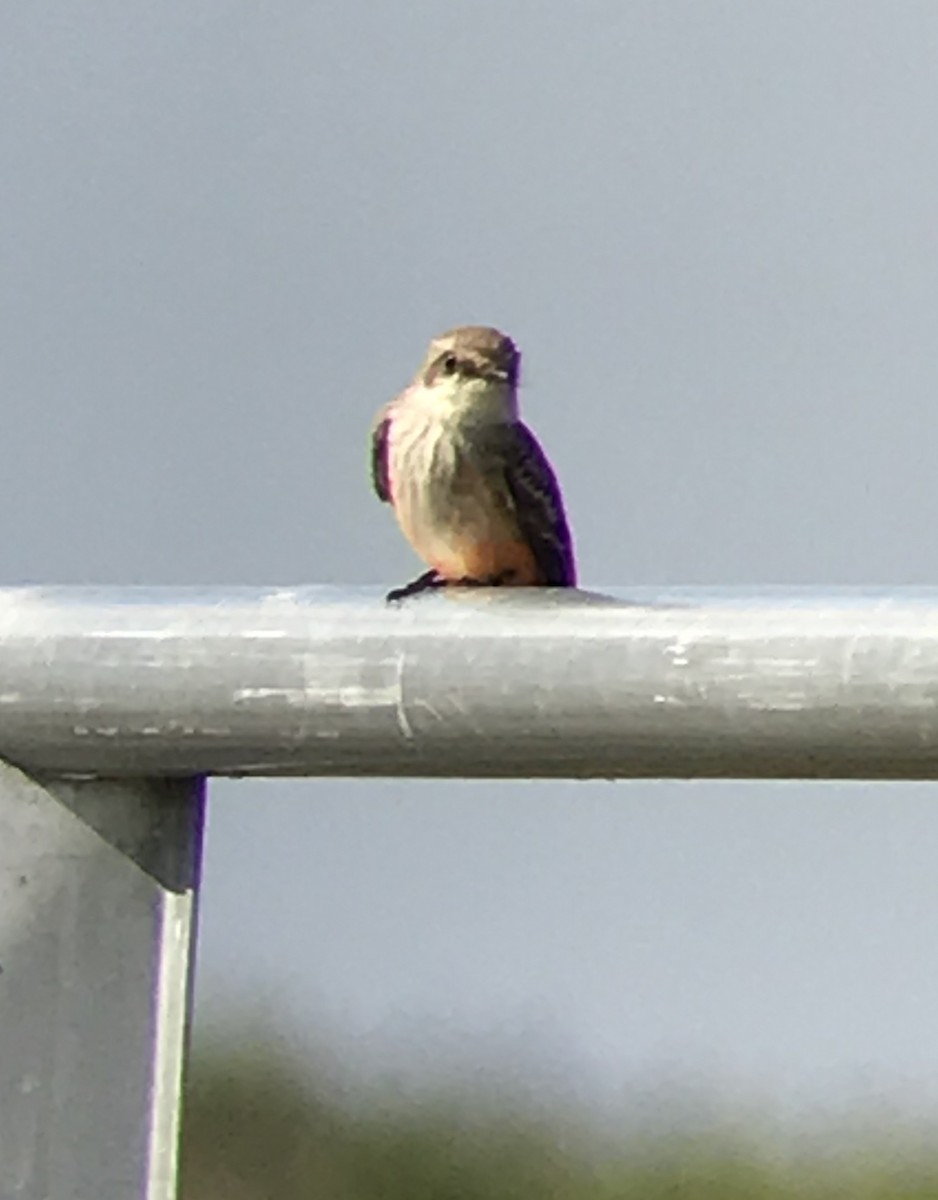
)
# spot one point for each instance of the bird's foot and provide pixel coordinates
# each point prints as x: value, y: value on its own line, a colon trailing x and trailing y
x: 423, y: 583
x: 503, y: 577
x: 433, y: 579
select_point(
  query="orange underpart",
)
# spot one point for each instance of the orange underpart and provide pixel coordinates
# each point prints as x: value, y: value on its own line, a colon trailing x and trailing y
x: 483, y: 561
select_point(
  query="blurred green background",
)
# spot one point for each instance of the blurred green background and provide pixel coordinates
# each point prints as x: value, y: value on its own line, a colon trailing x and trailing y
x: 263, y: 1120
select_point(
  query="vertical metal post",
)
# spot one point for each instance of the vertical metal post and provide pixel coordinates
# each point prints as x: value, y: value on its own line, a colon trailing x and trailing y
x: 98, y: 891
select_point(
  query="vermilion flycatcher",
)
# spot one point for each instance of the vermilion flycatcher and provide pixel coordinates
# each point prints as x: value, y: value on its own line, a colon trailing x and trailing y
x: 470, y: 486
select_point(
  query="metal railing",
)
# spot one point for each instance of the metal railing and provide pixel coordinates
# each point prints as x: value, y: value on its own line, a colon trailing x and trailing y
x: 115, y: 706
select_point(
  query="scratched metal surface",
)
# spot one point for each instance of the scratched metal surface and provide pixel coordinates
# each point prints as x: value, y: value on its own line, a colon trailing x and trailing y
x: 474, y: 683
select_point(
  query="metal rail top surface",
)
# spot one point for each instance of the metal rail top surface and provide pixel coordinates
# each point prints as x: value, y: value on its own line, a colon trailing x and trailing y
x: 472, y: 683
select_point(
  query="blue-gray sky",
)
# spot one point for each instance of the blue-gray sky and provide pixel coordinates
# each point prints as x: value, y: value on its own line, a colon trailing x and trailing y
x: 227, y: 232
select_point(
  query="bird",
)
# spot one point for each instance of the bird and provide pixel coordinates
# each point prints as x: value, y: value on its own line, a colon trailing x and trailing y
x: 472, y: 490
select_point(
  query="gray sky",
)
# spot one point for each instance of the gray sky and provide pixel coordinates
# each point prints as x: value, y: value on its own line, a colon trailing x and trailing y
x: 227, y: 231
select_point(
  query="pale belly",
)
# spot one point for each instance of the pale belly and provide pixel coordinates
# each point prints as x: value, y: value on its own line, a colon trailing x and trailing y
x: 455, y: 518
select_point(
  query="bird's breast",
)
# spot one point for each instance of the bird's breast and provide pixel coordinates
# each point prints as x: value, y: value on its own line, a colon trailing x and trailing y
x: 452, y: 505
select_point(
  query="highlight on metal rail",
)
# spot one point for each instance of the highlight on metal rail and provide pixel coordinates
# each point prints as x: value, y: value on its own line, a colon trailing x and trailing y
x: 116, y: 706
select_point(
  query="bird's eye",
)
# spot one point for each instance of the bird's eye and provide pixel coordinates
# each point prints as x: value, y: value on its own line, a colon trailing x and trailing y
x: 450, y: 364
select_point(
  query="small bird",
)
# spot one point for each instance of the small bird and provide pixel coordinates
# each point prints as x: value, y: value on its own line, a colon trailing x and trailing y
x: 470, y: 486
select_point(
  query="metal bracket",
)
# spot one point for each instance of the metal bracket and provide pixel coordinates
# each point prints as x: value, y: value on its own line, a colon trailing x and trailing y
x: 98, y: 888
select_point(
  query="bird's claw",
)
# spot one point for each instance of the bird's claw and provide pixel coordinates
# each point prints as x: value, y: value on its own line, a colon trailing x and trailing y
x: 423, y: 583
x: 433, y: 579
x: 503, y: 577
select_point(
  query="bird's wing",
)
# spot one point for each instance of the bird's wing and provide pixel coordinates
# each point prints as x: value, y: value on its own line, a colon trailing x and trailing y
x: 380, y: 471
x: 538, y: 506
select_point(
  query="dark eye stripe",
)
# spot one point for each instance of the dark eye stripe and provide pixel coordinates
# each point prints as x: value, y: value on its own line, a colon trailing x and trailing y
x: 449, y: 364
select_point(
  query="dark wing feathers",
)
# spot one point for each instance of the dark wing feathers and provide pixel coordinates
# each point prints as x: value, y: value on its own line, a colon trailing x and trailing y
x: 380, y: 472
x: 539, y: 507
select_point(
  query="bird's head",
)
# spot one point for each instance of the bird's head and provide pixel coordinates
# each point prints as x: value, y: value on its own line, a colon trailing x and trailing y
x: 472, y: 371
